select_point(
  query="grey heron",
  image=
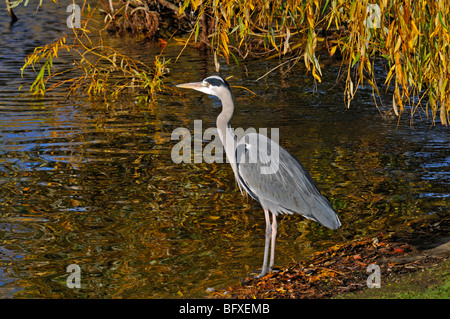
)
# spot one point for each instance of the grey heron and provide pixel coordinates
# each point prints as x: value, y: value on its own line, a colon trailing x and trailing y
x: 288, y: 188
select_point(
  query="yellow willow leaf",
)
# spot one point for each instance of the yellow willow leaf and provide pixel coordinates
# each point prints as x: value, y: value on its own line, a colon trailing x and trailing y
x: 216, y: 62
x: 390, y: 33
x: 349, y: 91
x: 316, y: 2
x: 195, y: 4
x: 414, y: 28
x: 394, y: 105
x: 310, y: 16
x: 411, y: 43
x: 369, y: 66
x: 398, y: 69
x: 305, y: 56
x: 350, y: 87
x: 399, y: 98
x: 311, y: 21
x: 390, y: 74
x: 397, y: 45
x: 315, y: 75
x: 272, y: 40
x: 333, y: 50
x: 55, y: 51
x: 240, y: 43
x: 443, y: 114
x: 442, y: 86
x: 224, y: 40
x: 434, y: 32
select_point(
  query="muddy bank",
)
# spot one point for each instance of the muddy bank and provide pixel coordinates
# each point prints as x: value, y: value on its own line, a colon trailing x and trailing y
x: 343, y: 268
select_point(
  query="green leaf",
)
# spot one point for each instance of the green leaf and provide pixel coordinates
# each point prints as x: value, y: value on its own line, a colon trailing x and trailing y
x: 235, y: 59
x: 197, y: 28
x: 442, y: 21
x: 325, y: 6
x: 352, y: 9
x: 356, y: 59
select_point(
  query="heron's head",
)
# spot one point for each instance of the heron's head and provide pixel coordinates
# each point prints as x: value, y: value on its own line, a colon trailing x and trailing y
x: 213, y: 85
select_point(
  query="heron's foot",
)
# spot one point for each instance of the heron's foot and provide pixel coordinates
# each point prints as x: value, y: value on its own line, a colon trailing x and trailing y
x: 265, y: 273
x: 261, y: 275
x: 257, y: 275
x: 272, y: 271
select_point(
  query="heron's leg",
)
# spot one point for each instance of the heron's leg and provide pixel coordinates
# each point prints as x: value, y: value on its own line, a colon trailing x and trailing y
x: 272, y: 243
x: 264, y: 270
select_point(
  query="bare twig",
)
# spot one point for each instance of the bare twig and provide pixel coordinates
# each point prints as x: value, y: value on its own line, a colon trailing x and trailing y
x: 279, y: 65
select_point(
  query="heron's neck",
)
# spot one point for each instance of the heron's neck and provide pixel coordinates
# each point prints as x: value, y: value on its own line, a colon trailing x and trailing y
x: 225, y: 116
x: 226, y: 134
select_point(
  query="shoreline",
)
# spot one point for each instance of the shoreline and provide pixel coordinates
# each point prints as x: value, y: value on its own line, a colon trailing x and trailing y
x: 343, y: 270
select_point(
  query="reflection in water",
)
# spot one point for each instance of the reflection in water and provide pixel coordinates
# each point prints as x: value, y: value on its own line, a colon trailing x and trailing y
x: 99, y: 188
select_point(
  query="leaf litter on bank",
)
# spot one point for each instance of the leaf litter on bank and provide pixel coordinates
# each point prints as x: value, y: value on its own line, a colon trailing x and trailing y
x: 343, y: 268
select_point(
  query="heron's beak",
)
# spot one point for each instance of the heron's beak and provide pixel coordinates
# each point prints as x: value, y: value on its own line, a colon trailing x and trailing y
x: 194, y: 85
x: 198, y: 86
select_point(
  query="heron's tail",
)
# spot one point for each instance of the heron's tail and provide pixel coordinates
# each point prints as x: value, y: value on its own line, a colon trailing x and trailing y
x: 325, y: 214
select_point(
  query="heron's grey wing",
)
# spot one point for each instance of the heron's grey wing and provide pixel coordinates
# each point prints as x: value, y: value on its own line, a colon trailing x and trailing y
x: 279, y: 182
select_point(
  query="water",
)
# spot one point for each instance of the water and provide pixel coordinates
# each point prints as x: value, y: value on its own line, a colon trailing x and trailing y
x: 86, y: 184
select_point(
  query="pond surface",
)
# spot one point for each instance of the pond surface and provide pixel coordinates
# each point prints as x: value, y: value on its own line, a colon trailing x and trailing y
x: 93, y: 183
